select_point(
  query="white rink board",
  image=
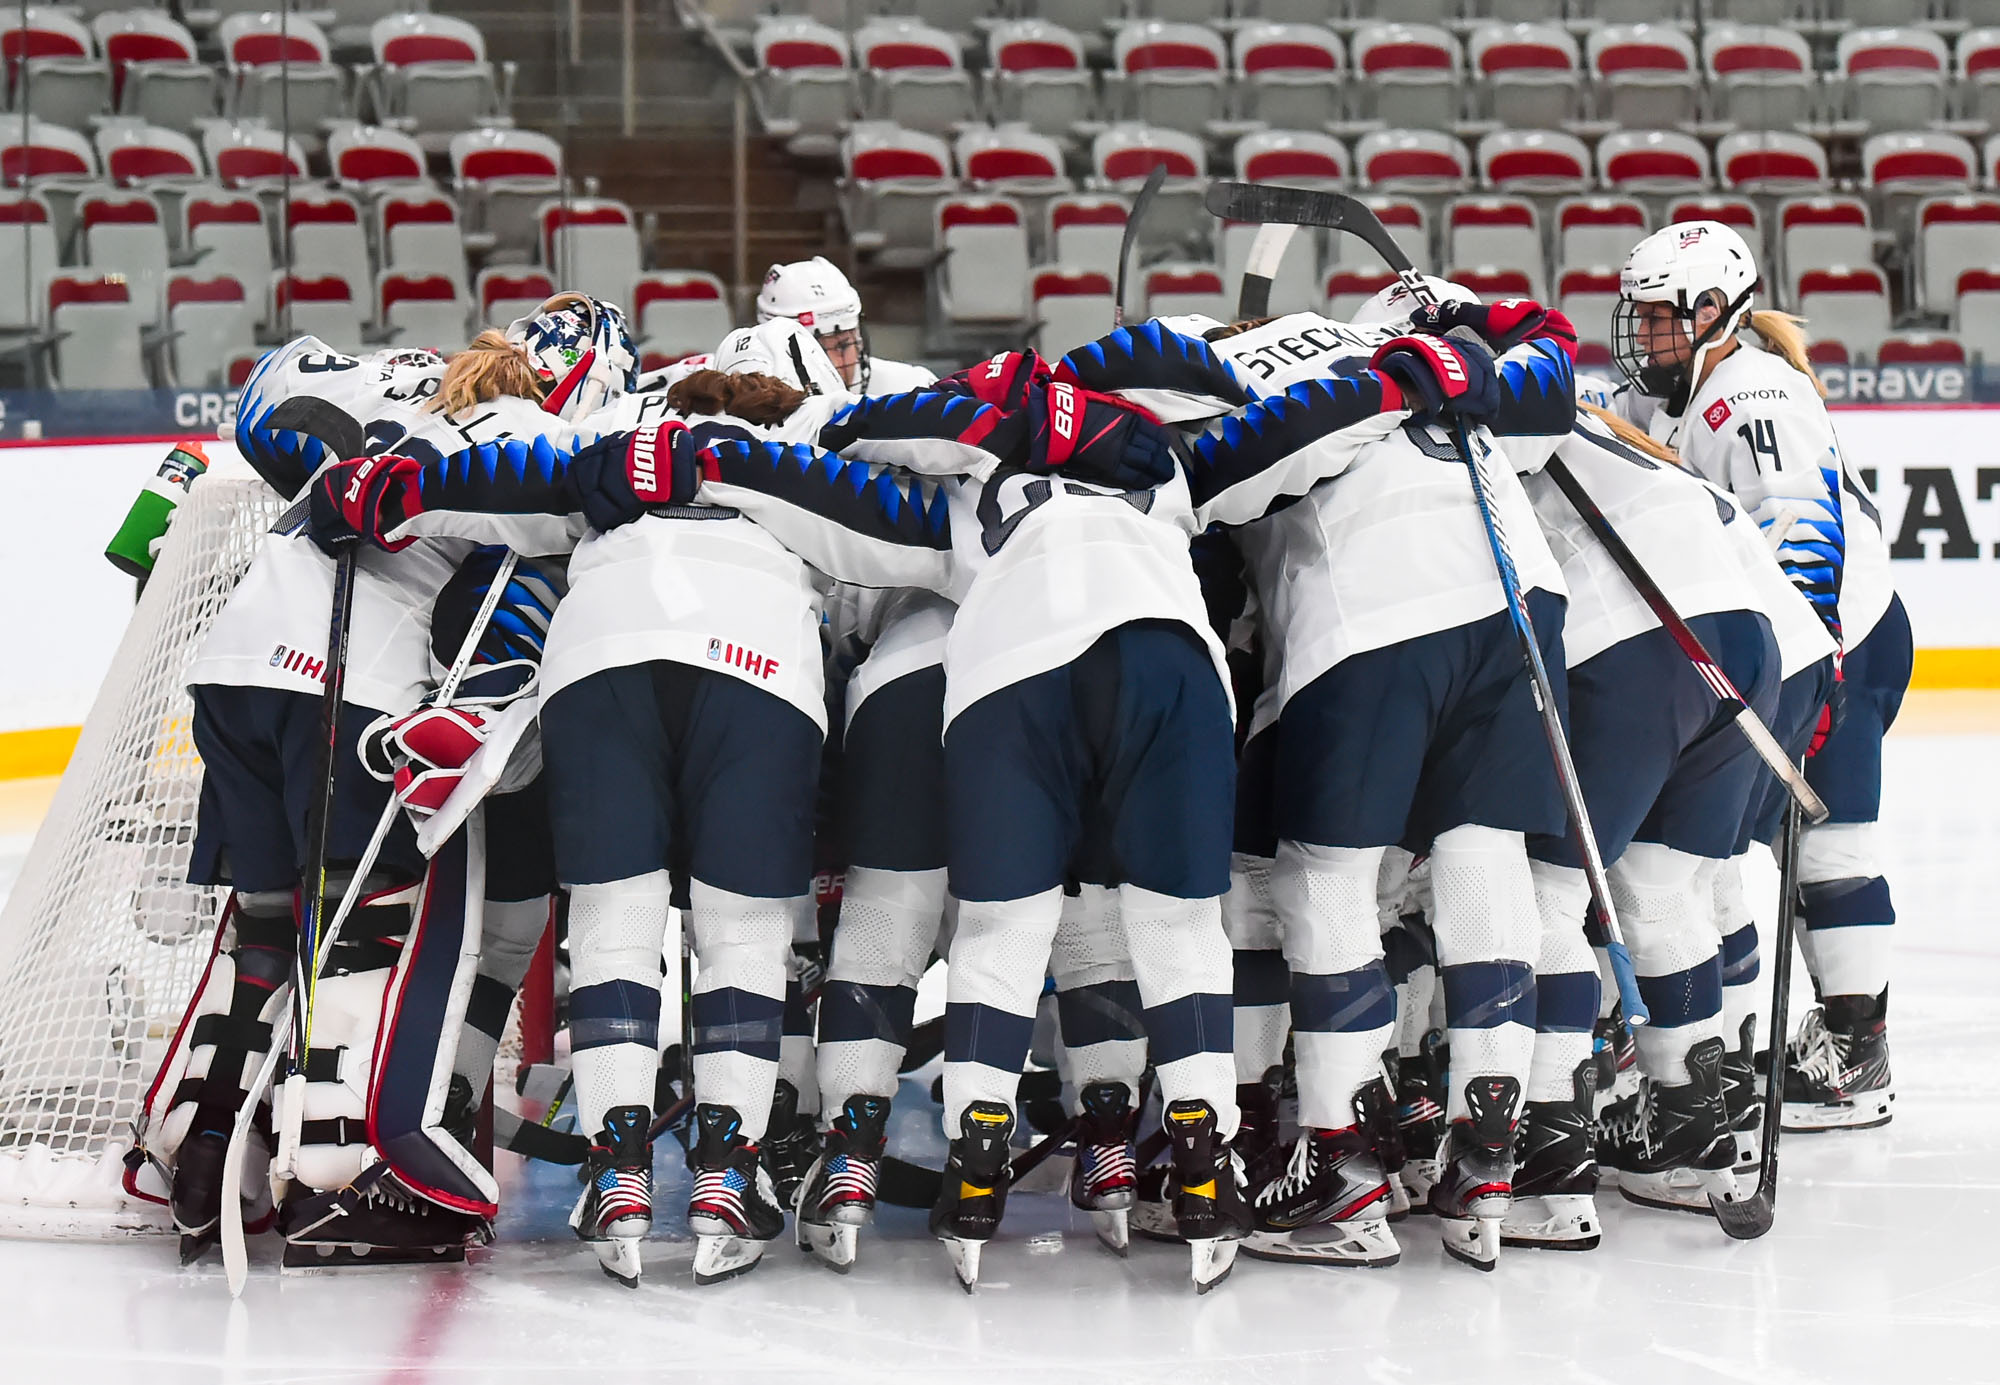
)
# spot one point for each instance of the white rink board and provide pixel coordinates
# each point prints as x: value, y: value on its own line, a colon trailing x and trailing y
x: 60, y: 503
x: 65, y: 605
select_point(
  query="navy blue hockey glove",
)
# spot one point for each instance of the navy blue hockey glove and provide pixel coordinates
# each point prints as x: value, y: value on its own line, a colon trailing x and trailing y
x: 622, y: 475
x: 1502, y: 326
x: 1441, y: 376
x: 1089, y: 437
x: 363, y: 500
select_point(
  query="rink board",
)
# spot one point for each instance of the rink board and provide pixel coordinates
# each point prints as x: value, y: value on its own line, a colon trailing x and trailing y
x: 1934, y: 468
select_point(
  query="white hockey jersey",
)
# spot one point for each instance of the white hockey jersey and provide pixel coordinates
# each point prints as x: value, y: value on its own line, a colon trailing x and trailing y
x: 272, y: 632
x: 1391, y: 547
x: 706, y: 587
x: 1758, y: 429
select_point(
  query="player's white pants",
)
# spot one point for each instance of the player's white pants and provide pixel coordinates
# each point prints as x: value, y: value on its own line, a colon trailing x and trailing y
x: 1488, y: 935
x: 1343, y: 1011
x: 889, y: 923
x: 1666, y: 905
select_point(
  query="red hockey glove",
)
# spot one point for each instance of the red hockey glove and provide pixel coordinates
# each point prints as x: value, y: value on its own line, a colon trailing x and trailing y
x: 363, y: 501
x: 1441, y: 376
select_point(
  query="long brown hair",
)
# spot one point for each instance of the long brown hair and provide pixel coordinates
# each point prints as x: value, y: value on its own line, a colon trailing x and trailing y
x: 754, y: 398
x: 488, y: 369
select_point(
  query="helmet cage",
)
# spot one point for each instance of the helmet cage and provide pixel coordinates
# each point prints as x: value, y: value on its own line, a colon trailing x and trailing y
x: 1672, y: 384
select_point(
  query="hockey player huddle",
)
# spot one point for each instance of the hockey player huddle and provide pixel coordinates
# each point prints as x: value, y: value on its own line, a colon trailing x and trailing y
x: 1175, y: 676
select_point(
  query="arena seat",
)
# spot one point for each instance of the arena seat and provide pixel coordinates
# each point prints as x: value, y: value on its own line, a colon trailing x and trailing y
x: 1954, y: 234
x: 422, y: 310
x: 322, y: 306
x: 1084, y: 234
x: 1530, y: 75
x: 591, y: 244
x: 1289, y: 76
x: 1171, y: 76
x: 680, y: 311
x: 1530, y: 162
x: 157, y: 74
x: 1847, y: 304
x: 27, y: 221
x: 1497, y: 231
x: 418, y: 233
x: 66, y: 82
x: 894, y: 178
x: 123, y: 233
x: 507, y: 292
x: 807, y: 82
x: 913, y: 75
x: 1411, y: 75
x: 1071, y: 306
x: 209, y: 321
x: 1816, y: 231
x: 1038, y: 75
x: 95, y: 326
x: 1976, y: 314
x: 1646, y: 74
x: 1892, y: 78
x: 370, y: 159
x: 1771, y: 163
x: 1759, y: 77
x: 983, y: 242
x: 432, y: 79
x: 1179, y: 288
x: 1416, y: 162
x: 1599, y: 230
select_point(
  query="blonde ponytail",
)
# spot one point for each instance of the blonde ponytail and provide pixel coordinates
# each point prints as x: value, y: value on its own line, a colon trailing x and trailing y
x: 1785, y: 335
x: 1633, y: 436
x: 490, y: 368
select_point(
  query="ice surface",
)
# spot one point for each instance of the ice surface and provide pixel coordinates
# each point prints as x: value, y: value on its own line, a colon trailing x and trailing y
x: 1883, y: 1266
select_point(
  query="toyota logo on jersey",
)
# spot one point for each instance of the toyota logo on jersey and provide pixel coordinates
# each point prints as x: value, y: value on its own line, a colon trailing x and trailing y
x: 1715, y: 415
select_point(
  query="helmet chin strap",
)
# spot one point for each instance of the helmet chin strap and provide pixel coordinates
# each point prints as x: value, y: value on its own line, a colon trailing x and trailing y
x: 1685, y: 380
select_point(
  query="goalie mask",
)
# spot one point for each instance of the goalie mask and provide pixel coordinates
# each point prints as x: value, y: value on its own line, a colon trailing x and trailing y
x: 782, y: 348
x: 582, y: 350
x: 1674, y: 274
x: 816, y: 295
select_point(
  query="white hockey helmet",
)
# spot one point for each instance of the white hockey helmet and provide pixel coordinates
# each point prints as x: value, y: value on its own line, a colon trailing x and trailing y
x: 1189, y: 324
x: 816, y: 295
x: 781, y: 347
x: 583, y: 351
x: 1689, y: 266
x: 1396, y: 301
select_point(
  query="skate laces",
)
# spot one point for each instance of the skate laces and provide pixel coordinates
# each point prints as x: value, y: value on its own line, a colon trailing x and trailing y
x: 1816, y: 1052
x: 1298, y: 1172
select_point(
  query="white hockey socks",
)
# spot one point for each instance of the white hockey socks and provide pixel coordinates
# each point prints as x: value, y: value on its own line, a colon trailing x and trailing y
x: 1847, y: 916
x: 998, y: 961
x: 1182, y: 961
x: 1097, y: 995
x: 616, y: 930
x: 1260, y: 979
x: 796, y: 1063
x: 1566, y: 983
x: 511, y: 932
x: 1343, y: 1010
x: 887, y: 930
x: 744, y: 945
x: 1666, y: 906
x: 1488, y: 933
x: 1741, y: 965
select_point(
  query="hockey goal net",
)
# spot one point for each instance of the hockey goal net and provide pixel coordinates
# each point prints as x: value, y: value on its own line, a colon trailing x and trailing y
x: 102, y: 937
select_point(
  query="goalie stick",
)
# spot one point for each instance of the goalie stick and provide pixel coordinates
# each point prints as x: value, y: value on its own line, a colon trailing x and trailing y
x: 1262, y: 202
x: 1747, y: 1218
x: 1747, y: 721
x: 1129, y: 242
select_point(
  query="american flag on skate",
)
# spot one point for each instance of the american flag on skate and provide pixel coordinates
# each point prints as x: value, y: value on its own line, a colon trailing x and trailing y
x: 719, y: 1193
x: 1107, y: 1167
x: 848, y: 1182
x: 624, y: 1193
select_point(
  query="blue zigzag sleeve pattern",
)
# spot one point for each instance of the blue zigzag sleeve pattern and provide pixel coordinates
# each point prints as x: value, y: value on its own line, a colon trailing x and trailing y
x: 507, y: 476
x: 1149, y: 356
x: 850, y: 494
x: 1259, y: 435
x: 929, y: 413
x: 1537, y: 392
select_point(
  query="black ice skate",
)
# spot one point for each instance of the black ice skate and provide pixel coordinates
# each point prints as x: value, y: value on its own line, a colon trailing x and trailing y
x: 1617, y: 1055
x: 374, y: 1220
x: 195, y: 1185
x: 1375, y: 1106
x: 615, y: 1211
x: 1745, y: 1113
x: 1209, y: 1206
x: 1420, y: 1092
x: 1680, y: 1136
x: 974, y: 1196
x: 1329, y: 1205
x: 1554, y: 1207
x: 790, y: 1142
x: 1476, y: 1185
x: 837, y: 1198
x: 733, y: 1210
x: 1837, y: 1069
x: 1104, y: 1181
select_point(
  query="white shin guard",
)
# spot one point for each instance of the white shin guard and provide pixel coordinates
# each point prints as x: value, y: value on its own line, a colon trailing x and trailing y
x: 1488, y: 935
x: 1666, y: 904
x: 743, y: 944
x: 1343, y: 1010
x: 616, y: 932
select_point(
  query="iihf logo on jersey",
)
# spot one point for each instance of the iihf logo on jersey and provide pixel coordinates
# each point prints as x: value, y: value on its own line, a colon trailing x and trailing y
x: 736, y: 656
x: 297, y: 661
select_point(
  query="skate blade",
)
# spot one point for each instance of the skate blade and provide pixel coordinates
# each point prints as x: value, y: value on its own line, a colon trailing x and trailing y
x: 717, y: 1258
x: 618, y: 1257
x: 1113, y: 1228
x: 1399, y: 1198
x: 1866, y: 1112
x: 1211, y: 1259
x: 307, y: 1257
x: 1366, y: 1244
x: 964, y: 1260
x: 1155, y: 1222
x: 1663, y: 1191
x: 1566, y: 1221
x: 834, y: 1245
x: 1473, y: 1240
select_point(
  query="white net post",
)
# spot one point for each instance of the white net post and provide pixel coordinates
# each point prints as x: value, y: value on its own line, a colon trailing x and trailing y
x: 102, y: 937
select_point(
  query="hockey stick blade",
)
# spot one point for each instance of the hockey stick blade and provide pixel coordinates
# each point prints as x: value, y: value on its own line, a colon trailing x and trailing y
x: 1336, y: 211
x: 1129, y: 242
x: 1745, y: 1219
x: 328, y: 424
x: 903, y: 1184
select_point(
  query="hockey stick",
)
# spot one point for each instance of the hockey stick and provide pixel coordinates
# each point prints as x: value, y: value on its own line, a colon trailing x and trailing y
x: 1129, y: 242
x: 1337, y: 211
x: 332, y: 427
x: 1747, y: 1218
x: 1253, y: 298
x: 1747, y: 721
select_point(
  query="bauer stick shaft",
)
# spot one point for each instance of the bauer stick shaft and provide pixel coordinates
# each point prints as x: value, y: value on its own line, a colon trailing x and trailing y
x: 1128, y: 244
